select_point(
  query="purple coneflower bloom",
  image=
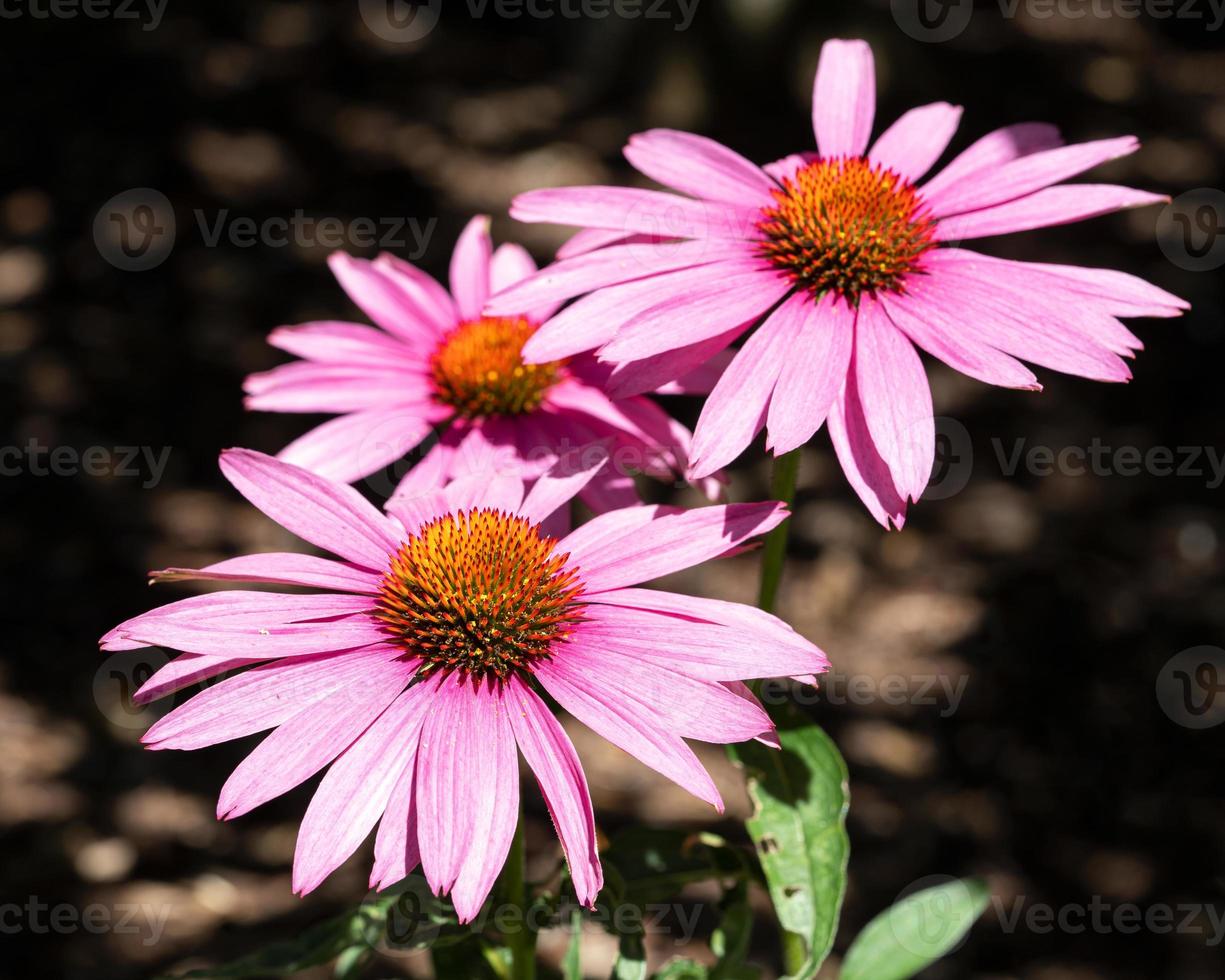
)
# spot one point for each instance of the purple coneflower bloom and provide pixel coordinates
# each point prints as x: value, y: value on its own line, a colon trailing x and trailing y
x: 437, y: 363
x: 417, y: 667
x: 848, y: 263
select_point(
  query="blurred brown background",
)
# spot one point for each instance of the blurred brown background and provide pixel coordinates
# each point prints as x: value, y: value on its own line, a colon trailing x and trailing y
x: 1003, y: 687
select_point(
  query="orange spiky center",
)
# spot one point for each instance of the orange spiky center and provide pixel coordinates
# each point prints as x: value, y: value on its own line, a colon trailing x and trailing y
x: 478, y: 369
x: 848, y: 225
x: 481, y: 592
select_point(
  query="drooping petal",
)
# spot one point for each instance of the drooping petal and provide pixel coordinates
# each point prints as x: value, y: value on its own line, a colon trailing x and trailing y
x: 467, y: 794
x: 736, y: 409
x: 396, y: 851
x: 262, y: 697
x: 352, y: 446
x: 356, y: 789
x: 650, y: 744
x: 704, y: 650
x: 912, y: 145
x: 279, y: 568
x: 470, y: 267
x: 551, y: 756
x: 896, y: 399
x: 815, y: 363
x: 1050, y: 206
x: 668, y: 543
x: 312, y: 738
x: 333, y: 517
x: 865, y: 470
x: 730, y: 294
x: 844, y: 98
x: 698, y: 166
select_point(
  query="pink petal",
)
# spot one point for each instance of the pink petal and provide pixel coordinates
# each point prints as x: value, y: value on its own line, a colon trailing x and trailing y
x: 625, y: 727
x: 562, y: 483
x: 352, y: 446
x: 511, y: 264
x: 926, y: 316
x: 729, y: 293
x: 267, y: 696
x: 862, y: 464
x: 630, y: 210
x: 425, y: 296
x: 751, y: 647
x: 610, y: 667
x: 256, y: 625
x: 333, y: 342
x: 817, y: 356
x: 396, y: 851
x: 896, y: 399
x: 281, y: 568
x: 589, y: 239
x: 382, y: 299
x: 698, y: 166
x: 1050, y: 206
x: 993, y: 150
x: 470, y: 267
x: 552, y: 758
x: 1120, y: 292
x: 669, y: 543
x: 308, y: 386
x: 329, y: 515
x: 844, y: 98
x: 1059, y: 336
x: 312, y: 738
x: 697, y: 368
x: 467, y: 794
x: 356, y: 790
x: 594, y: 320
x: 736, y: 409
x: 1025, y: 175
x: 495, y: 491
x: 609, y: 267
x: 183, y: 671
x: 915, y: 142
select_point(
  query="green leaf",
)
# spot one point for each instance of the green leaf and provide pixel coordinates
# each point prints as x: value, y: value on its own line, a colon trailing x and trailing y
x: 653, y: 865
x: 683, y: 970
x: 571, y: 966
x: 730, y: 940
x: 320, y: 944
x: 631, y: 961
x: 915, y: 932
x: 800, y: 799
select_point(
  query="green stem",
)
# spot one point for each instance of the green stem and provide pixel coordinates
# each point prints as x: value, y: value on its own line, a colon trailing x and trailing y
x: 521, y: 941
x: 774, y: 555
x: 783, y: 482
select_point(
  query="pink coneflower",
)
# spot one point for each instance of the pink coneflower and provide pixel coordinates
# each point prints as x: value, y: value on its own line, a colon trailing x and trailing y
x: 418, y: 668
x: 847, y: 263
x: 439, y: 364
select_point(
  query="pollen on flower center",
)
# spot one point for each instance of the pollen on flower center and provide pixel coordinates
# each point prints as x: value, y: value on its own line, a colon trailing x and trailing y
x: 480, y: 592
x: 848, y: 225
x: 478, y: 369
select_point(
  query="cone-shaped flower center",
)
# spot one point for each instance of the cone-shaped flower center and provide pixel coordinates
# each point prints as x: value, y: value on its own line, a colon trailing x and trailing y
x: 478, y: 369
x: 848, y: 225
x: 480, y: 592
